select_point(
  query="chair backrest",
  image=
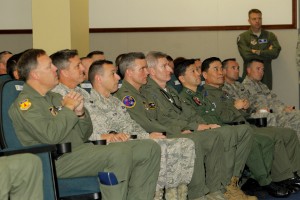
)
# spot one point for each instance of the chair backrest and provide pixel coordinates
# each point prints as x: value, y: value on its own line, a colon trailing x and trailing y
x: 9, y: 91
x: 4, y: 77
x: 86, y: 85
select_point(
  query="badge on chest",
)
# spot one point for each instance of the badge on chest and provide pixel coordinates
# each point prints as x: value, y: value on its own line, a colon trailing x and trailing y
x: 129, y: 101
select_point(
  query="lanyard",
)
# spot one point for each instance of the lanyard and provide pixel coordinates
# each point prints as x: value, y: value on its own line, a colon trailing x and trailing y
x: 170, y: 99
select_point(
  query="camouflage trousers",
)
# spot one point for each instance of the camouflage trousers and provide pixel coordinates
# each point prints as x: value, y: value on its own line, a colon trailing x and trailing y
x: 284, y: 119
x: 177, y: 162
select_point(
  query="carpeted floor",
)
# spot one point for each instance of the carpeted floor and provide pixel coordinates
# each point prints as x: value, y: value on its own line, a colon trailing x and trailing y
x: 251, y: 187
x: 264, y: 196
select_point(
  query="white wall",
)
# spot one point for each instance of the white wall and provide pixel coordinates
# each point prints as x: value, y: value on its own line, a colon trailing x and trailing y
x: 193, y: 44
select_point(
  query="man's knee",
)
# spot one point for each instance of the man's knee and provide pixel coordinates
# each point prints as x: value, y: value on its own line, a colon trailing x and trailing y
x: 29, y: 162
x: 148, y: 146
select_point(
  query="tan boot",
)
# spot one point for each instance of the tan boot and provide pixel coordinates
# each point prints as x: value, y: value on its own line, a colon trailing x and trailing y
x: 159, y: 195
x: 235, y: 193
x: 171, y: 194
x: 182, y: 190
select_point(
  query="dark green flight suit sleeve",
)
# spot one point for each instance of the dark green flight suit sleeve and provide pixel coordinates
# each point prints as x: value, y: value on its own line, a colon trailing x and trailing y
x: 223, y: 105
x: 245, y: 46
x: 201, y: 105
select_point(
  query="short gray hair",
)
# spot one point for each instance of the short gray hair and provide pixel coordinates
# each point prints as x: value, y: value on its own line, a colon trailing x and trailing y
x: 153, y: 56
x: 128, y: 60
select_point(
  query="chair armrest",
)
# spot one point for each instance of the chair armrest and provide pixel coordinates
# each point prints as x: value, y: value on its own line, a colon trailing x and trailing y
x: 31, y: 149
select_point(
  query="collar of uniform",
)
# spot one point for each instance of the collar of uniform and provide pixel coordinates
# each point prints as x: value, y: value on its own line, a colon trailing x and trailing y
x: 96, y: 96
x: 61, y: 89
x: 152, y: 83
x: 263, y: 33
x: 188, y: 91
x: 249, y: 80
x: 65, y: 89
x: 33, y: 93
x: 128, y: 86
x: 210, y: 88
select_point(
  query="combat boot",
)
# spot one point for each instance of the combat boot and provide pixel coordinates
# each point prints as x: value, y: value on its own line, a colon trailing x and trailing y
x: 182, y: 190
x: 171, y: 194
x: 233, y: 192
x: 159, y: 195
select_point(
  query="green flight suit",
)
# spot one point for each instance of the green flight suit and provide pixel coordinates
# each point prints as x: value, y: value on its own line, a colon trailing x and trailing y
x: 281, y: 163
x: 41, y: 119
x: 237, y: 139
x: 144, y: 111
x: 248, y: 41
x: 21, y: 177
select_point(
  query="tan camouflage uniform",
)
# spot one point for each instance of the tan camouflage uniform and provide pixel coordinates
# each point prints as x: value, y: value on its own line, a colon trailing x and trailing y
x: 63, y: 90
x: 238, y: 91
x: 261, y: 97
x: 177, y: 160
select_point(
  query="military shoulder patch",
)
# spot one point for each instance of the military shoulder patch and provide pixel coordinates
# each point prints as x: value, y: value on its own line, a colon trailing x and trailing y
x: 129, y: 101
x: 25, y: 104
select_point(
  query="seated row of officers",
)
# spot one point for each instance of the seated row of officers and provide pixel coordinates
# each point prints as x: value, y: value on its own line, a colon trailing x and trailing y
x: 192, y: 145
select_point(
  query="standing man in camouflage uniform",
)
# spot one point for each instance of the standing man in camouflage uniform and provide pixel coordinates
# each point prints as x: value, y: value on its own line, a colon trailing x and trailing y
x: 257, y: 43
x: 285, y: 164
x: 21, y: 177
x: 40, y: 116
x: 265, y: 102
x: 109, y: 114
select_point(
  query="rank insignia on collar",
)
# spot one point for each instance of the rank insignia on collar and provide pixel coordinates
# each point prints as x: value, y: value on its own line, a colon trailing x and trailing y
x: 129, y: 101
x: 197, y: 101
x: 25, y: 104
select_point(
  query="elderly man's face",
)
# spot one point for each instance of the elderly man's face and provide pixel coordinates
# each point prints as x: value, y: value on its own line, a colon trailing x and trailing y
x: 162, y: 71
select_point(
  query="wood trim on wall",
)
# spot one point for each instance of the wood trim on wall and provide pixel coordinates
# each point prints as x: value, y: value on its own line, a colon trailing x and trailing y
x: 173, y: 29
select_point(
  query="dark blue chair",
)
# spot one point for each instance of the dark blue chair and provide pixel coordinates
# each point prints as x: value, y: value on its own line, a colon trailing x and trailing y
x: 54, y: 188
x: 86, y: 85
x: 4, y: 77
